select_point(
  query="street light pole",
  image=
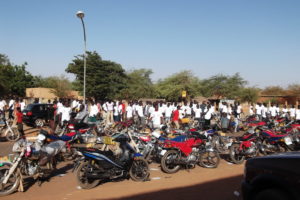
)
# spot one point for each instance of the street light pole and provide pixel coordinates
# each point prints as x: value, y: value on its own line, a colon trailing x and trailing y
x: 80, y: 15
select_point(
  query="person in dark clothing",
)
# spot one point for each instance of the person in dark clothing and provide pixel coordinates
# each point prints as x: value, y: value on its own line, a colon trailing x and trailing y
x: 50, y: 117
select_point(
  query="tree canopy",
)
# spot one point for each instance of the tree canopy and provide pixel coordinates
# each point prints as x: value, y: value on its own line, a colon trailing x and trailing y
x: 138, y: 85
x: 14, y: 79
x: 229, y: 87
x: 171, y: 87
x: 60, y: 85
x: 104, y: 79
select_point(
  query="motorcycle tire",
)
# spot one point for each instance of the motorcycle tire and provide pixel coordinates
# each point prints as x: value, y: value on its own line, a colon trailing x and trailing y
x: 13, y: 181
x: 13, y: 135
x: 166, y: 165
x: 236, y: 158
x: 82, y: 180
x: 139, y: 170
x: 216, y: 143
x: 209, y: 159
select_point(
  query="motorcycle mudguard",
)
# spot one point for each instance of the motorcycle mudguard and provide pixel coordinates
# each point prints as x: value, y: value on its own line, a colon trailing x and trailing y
x: 137, y: 155
x: 5, y: 164
x: 100, y: 157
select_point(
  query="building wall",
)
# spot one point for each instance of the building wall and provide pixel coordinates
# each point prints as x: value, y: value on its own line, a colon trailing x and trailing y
x: 45, y: 94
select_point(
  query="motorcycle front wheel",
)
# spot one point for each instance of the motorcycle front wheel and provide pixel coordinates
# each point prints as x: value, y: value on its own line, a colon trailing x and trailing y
x: 81, y: 174
x: 139, y: 170
x: 168, y: 162
x: 13, y: 134
x: 235, y: 154
x: 12, y: 183
x: 209, y: 159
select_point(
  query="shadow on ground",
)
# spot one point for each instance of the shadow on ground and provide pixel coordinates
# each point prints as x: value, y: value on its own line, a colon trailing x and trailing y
x: 221, y: 189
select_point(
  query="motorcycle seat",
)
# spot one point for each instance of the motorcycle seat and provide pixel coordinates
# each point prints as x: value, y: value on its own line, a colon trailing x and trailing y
x: 273, y: 135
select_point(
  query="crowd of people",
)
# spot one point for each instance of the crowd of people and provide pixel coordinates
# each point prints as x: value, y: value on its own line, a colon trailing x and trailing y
x: 150, y: 113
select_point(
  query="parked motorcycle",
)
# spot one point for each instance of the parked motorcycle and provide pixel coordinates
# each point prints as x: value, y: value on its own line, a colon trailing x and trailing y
x: 151, y: 145
x: 194, y: 150
x: 34, y: 160
x: 273, y: 142
x: 248, y: 145
x: 10, y: 132
x: 95, y: 165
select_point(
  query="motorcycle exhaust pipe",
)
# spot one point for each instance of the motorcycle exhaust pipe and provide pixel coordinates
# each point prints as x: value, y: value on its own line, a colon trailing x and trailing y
x: 97, y: 176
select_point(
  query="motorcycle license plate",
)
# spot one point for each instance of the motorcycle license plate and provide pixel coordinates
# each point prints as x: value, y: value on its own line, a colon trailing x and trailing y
x: 163, y: 152
x: 288, y: 141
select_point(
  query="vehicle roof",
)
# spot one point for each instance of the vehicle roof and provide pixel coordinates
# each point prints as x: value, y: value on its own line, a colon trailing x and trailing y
x: 40, y: 104
x: 287, y: 155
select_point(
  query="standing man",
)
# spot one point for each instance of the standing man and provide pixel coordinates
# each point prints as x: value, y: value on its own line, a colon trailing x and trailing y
x: 168, y: 113
x: 156, y: 118
x: 176, y: 117
x: 258, y: 109
x: 19, y: 116
x: 93, y: 112
x: 292, y: 112
x: 11, y: 107
x: 110, y: 109
x: 22, y: 104
x: 140, y: 112
x: 129, y: 111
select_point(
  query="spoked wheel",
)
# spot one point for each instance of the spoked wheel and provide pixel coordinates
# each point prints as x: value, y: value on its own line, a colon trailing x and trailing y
x: 13, y: 134
x: 209, y: 159
x: 82, y: 179
x: 235, y: 154
x: 216, y: 143
x: 12, y: 183
x: 139, y: 170
x: 169, y: 162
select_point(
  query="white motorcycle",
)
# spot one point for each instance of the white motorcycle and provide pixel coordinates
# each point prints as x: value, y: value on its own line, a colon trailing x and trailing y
x: 11, y: 133
x: 34, y: 160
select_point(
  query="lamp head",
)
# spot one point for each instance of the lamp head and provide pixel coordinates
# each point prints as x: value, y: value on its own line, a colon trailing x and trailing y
x: 80, y: 14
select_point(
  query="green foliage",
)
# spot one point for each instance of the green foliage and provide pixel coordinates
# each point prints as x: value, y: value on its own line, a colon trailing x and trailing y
x: 229, y: 87
x: 4, y: 60
x: 104, y: 79
x: 60, y: 85
x: 138, y: 85
x: 14, y: 79
x: 249, y: 95
x: 171, y: 87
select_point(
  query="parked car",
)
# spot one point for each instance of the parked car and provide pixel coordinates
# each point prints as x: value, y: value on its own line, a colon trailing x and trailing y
x: 275, y: 177
x: 35, y: 114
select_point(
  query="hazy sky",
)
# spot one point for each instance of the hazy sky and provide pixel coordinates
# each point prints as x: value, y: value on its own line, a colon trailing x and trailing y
x: 260, y: 39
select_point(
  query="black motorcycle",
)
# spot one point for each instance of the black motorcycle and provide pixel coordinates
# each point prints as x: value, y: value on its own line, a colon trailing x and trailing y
x: 95, y: 166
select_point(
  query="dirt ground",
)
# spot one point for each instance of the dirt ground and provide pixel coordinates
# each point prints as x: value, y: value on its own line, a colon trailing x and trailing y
x: 197, y: 183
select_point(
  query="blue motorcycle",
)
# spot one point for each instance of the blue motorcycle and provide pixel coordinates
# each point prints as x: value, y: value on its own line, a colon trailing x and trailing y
x: 96, y: 166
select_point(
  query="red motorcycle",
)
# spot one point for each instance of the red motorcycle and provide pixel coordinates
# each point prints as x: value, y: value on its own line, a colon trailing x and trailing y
x: 194, y: 150
x: 246, y: 146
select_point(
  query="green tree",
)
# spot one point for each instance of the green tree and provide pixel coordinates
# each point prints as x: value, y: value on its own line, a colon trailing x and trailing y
x: 171, y: 87
x: 104, y: 79
x: 14, y: 79
x: 60, y: 85
x: 224, y: 86
x: 249, y: 94
x: 138, y: 85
